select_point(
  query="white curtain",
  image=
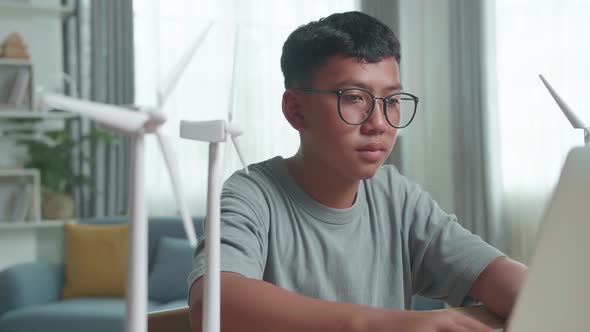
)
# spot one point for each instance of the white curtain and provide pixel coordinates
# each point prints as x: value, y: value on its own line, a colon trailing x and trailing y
x: 427, y: 150
x: 533, y: 37
x: 257, y: 29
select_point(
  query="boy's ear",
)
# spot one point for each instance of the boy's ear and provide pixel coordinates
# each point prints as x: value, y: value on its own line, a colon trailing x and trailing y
x: 293, y: 109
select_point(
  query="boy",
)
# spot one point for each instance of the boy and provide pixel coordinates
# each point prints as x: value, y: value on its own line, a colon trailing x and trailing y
x: 328, y: 240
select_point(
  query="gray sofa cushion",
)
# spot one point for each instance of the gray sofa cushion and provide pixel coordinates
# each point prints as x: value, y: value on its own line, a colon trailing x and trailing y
x: 173, y: 263
x: 30, y: 284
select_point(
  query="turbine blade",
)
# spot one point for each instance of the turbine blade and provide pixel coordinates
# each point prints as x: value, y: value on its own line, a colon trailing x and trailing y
x: 119, y: 118
x: 172, y: 78
x: 234, y: 140
x: 172, y: 167
x: 231, y: 97
x: 571, y: 116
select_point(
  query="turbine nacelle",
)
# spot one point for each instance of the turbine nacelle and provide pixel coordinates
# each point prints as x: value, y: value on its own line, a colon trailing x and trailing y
x: 213, y: 131
x: 208, y: 131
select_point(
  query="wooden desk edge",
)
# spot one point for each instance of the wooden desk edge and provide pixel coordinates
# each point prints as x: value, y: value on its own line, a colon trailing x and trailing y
x: 176, y: 320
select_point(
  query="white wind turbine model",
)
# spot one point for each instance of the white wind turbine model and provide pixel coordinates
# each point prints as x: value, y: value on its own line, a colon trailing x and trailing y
x: 216, y: 132
x: 571, y: 116
x: 136, y: 123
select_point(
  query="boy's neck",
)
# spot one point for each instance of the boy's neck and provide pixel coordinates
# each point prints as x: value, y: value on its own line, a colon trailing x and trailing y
x: 323, y: 185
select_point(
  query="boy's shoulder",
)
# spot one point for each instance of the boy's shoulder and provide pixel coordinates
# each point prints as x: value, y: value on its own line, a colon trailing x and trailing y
x: 261, y: 176
x: 269, y: 168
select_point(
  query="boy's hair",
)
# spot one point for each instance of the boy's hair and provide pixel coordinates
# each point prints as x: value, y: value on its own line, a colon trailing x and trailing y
x: 352, y: 34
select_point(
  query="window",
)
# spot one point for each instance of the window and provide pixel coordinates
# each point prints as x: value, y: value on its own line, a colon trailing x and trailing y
x: 245, y: 35
x: 535, y: 37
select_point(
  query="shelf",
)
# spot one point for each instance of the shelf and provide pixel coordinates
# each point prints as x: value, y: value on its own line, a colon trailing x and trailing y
x: 14, y: 62
x: 20, y: 114
x: 32, y: 224
x: 28, y: 8
x: 19, y: 172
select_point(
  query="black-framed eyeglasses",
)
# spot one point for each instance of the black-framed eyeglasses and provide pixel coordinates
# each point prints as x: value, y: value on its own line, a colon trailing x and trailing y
x: 355, y: 106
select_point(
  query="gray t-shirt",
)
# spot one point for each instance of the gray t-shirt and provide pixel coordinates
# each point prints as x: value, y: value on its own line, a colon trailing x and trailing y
x: 395, y: 241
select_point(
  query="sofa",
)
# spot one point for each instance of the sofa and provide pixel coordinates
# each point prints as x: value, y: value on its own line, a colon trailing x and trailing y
x: 31, y: 293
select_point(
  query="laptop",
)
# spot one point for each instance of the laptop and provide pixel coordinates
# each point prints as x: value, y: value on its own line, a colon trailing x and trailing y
x: 556, y: 293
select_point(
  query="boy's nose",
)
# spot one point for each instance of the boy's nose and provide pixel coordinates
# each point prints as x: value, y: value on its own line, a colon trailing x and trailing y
x: 376, y: 124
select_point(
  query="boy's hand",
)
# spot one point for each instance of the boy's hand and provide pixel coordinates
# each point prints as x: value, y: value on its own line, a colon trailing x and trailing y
x: 257, y: 306
x: 449, y: 320
x: 426, y: 321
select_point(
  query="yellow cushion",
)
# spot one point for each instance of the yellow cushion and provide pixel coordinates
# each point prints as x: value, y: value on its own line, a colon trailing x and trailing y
x: 95, y: 260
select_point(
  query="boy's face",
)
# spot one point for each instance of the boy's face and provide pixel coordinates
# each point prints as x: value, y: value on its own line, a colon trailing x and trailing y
x: 353, y: 152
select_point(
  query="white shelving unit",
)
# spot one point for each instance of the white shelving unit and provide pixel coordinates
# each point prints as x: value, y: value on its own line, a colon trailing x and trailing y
x: 39, y: 23
x: 16, y: 226
x: 27, y: 242
x: 14, y: 62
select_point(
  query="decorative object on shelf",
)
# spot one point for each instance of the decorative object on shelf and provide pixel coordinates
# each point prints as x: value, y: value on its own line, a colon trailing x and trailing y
x: 21, y: 88
x: 57, y: 206
x: 15, y: 199
x: 16, y: 85
x: 20, y: 196
x: 54, y: 159
x: 14, y: 47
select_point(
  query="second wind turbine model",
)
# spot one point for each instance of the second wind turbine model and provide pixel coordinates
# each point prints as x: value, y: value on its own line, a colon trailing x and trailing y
x: 216, y: 132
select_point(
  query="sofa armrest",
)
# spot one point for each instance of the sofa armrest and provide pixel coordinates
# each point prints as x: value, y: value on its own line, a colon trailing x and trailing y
x: 30, y: 284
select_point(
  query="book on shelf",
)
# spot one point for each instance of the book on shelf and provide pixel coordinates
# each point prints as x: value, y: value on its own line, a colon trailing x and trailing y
x: 23, y: 207
x: 20, y: 88
x: 16, y: 202
x: 8, y: 198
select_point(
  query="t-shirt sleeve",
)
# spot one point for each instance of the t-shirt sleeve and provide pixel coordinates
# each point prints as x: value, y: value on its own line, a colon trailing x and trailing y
x: 243, y: 233
x: 446, y: 258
